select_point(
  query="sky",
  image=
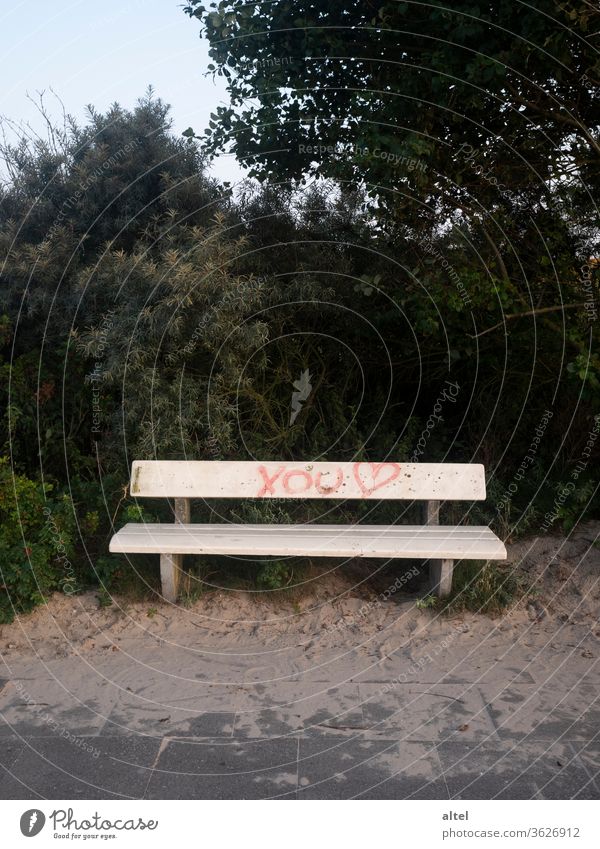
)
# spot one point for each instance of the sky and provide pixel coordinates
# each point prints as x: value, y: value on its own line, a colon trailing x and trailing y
x: 107, y: 51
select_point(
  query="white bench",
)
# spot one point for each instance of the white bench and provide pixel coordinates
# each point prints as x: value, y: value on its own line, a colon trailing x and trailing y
x: 431, y: 483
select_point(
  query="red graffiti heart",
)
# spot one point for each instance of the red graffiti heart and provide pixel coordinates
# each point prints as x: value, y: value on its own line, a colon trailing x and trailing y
x: 376, y: 469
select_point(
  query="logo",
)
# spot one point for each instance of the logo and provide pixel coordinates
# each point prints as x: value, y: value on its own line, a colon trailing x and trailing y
x: 32, y: 822
x: 304, y: 388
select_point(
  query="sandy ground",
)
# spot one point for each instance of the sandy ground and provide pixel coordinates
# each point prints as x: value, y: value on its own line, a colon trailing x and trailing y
x: 328, y: 693
x: 333, y: 613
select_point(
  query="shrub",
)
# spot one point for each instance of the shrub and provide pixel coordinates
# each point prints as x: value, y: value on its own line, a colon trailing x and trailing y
x: 36, y: 543
x: 127, y: 574
x: 274, y: 575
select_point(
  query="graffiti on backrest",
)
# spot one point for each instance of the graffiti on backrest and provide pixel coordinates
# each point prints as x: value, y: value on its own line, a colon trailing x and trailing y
x: 283, y: 481
x: 369, y: 478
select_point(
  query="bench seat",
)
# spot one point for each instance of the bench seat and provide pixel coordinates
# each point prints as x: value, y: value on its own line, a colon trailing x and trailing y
x: 401, y: 541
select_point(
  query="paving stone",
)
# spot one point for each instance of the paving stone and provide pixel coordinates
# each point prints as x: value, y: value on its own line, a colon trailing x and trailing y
x: 10, y: 787
x: 542, y: 712
x: 59, y: 769
x: 293, y: 708
x: 205, y: 725
x: 429, y: 714
x: 525, y: 771
x: 249, y: 769
x: 184, y: 719
x: 45, y: 706
x: 335, y: 767
x: 178, y: 691
x: 588, y: 756
x: 210, y: 725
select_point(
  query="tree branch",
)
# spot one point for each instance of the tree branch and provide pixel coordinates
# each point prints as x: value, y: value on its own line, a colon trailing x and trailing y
x: 529, y: 312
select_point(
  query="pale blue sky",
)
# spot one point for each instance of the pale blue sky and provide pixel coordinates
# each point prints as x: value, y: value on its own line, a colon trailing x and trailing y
x: 99, y: 52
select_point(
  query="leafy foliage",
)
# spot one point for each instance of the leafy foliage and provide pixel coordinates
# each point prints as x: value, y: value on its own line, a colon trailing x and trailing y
x: 473, y: 134
x: 274, y: 575
x: 37, y: 535
x: 517, y: 83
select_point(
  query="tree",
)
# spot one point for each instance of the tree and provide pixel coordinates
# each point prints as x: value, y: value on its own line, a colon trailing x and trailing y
x: 475, y: 133
x: 362, y: 92
x: 69, y: 199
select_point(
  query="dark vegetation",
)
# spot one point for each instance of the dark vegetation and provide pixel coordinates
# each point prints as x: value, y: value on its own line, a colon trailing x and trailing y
x: 149, y: 312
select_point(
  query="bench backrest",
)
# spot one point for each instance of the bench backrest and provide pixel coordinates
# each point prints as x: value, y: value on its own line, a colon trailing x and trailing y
x: 251, y: 479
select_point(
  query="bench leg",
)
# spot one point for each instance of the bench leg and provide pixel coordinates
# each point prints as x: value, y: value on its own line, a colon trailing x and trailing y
x: 440, y: 577
x: 170, y: 572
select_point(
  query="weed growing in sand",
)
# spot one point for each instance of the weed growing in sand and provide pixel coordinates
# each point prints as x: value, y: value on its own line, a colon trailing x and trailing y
x: 483, y: 587
x: 196, y: 581
x: 190, y: 595
x: 426, y: 602
x: 104, y: 598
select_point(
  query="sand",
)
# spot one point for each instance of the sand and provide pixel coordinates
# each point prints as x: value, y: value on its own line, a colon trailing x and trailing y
x: 331, y: 614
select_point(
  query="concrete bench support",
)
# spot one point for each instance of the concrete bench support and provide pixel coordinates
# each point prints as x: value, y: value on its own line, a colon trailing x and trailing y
x: 171, y: 565
x: 440, y: 577
x: 440, y: 571
x: 170, y: 575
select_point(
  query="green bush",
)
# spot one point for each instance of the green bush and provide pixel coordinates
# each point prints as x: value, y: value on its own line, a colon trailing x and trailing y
x: 36, y: 543
x: 274, y: 575
x: 125, y: 574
